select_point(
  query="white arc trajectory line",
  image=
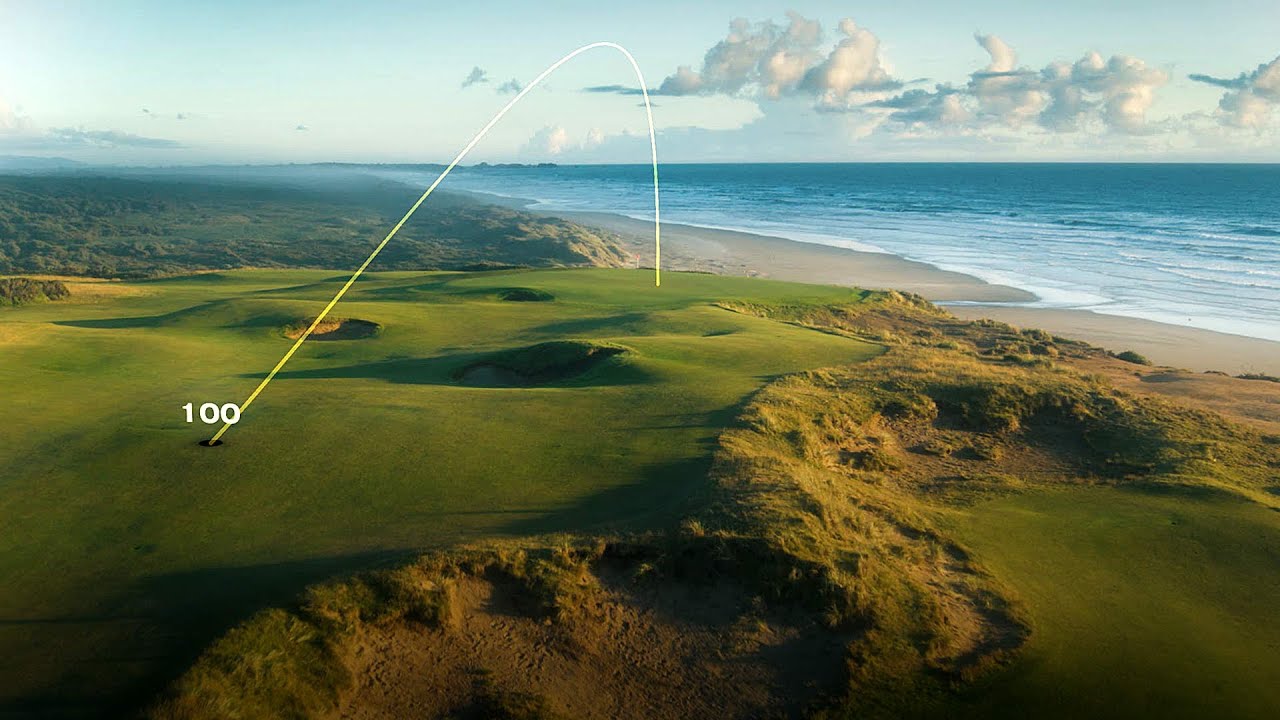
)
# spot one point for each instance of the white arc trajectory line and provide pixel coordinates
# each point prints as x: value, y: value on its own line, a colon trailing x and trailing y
x: 657, y: 224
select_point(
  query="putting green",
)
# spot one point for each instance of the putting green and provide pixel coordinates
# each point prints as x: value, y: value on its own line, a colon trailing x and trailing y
x: 1141, y: 604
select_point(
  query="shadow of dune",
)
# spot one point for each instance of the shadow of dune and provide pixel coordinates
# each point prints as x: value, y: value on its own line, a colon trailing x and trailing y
x: 630, y: 323
x: 144, y: 321
x: 414, y: 371
x: 219, y: 313
x: 665, y: 493
x: 441, y: 286
x: 445, y: 370
x: 161, y: 624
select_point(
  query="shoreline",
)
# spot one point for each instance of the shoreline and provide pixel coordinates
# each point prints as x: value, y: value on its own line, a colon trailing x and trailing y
x: 738, y: 252
x: 733, y: 252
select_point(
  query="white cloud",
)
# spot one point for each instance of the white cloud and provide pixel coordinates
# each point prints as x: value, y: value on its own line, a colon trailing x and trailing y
x: 555, y: 141
x: 1003, y: 59
x: 1092, y: 93
x: 853, y: 65
x: 549, y: 141
x: 1004, y: 93
x: 1250, y: 97
x: 772, y: 61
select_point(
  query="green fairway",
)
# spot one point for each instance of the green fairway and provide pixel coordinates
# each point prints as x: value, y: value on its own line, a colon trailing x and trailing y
x: 1142, y: 605
x: 127, y: 546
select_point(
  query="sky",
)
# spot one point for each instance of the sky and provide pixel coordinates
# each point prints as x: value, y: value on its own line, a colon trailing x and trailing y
x: 171, y: 83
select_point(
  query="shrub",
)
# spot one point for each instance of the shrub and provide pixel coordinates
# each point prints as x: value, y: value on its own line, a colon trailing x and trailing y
x: 1130, y: 356
x: 23, y: 291
x: 1259, y: 376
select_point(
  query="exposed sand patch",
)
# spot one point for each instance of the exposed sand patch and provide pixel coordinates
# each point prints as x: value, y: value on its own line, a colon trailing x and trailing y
x: 334, y: 329
x: 639, y: 649
x: 1253, y: 402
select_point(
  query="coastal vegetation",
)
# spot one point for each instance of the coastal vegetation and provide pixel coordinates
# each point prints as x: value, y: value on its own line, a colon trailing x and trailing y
x: 22, y: 291
x: 110, y: 227
x: 859, y: 505
x: 507, y: 492
x: 363, y: 451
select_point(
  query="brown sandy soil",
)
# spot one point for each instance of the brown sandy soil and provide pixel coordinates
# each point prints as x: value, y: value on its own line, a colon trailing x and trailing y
x: 1252, y: 402
x: 638, y: 649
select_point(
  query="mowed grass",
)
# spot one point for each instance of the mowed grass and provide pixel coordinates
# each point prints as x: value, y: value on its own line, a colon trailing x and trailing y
x: 1142, y: 604
x: 126, y: 546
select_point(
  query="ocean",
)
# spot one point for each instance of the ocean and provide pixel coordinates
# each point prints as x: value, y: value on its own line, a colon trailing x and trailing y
x: 1191, y: 245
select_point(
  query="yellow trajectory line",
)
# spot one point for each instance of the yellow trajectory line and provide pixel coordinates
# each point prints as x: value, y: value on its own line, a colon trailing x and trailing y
x: 657, y: 223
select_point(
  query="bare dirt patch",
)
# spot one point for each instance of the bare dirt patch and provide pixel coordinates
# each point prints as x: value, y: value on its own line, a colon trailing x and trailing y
x: 334, y: 329
x: 637, y: 649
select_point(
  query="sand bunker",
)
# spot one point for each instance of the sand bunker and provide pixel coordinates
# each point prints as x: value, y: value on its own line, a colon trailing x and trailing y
x: 334, y: 329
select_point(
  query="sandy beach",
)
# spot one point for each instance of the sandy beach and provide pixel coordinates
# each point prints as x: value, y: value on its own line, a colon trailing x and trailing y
x: 687, y: 247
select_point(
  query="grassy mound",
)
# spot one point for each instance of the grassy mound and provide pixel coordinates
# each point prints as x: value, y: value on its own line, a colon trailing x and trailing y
x: 539, y: 364
x: 598, y: 613
x: 525, y: 295
x: 332, y: 328
x: 24, y: 291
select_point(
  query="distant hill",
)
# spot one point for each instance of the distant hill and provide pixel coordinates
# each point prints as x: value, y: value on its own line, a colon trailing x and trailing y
x: 103, y: 226
x: 21, y: 163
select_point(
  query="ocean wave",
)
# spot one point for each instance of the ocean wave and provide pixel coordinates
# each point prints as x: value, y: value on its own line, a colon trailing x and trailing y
x: 1257, y: 230
x: 1129, y: 249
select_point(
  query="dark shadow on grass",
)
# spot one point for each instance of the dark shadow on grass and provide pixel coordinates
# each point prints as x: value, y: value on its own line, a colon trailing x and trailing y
x: 165, y: 621
x: 631, y: 323
x: 443, y: 286
x: 665, y: 494
x: 445, y: 369
x: 146, y: 321
x: 1184, y: 490
x: 270, y: 318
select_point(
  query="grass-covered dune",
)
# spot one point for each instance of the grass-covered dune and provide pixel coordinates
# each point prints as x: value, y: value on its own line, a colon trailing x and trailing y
x: 976, y: 523
x: 127, y: 547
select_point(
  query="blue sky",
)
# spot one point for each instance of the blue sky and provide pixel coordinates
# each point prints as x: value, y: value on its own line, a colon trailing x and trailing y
x: 174, y: 83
